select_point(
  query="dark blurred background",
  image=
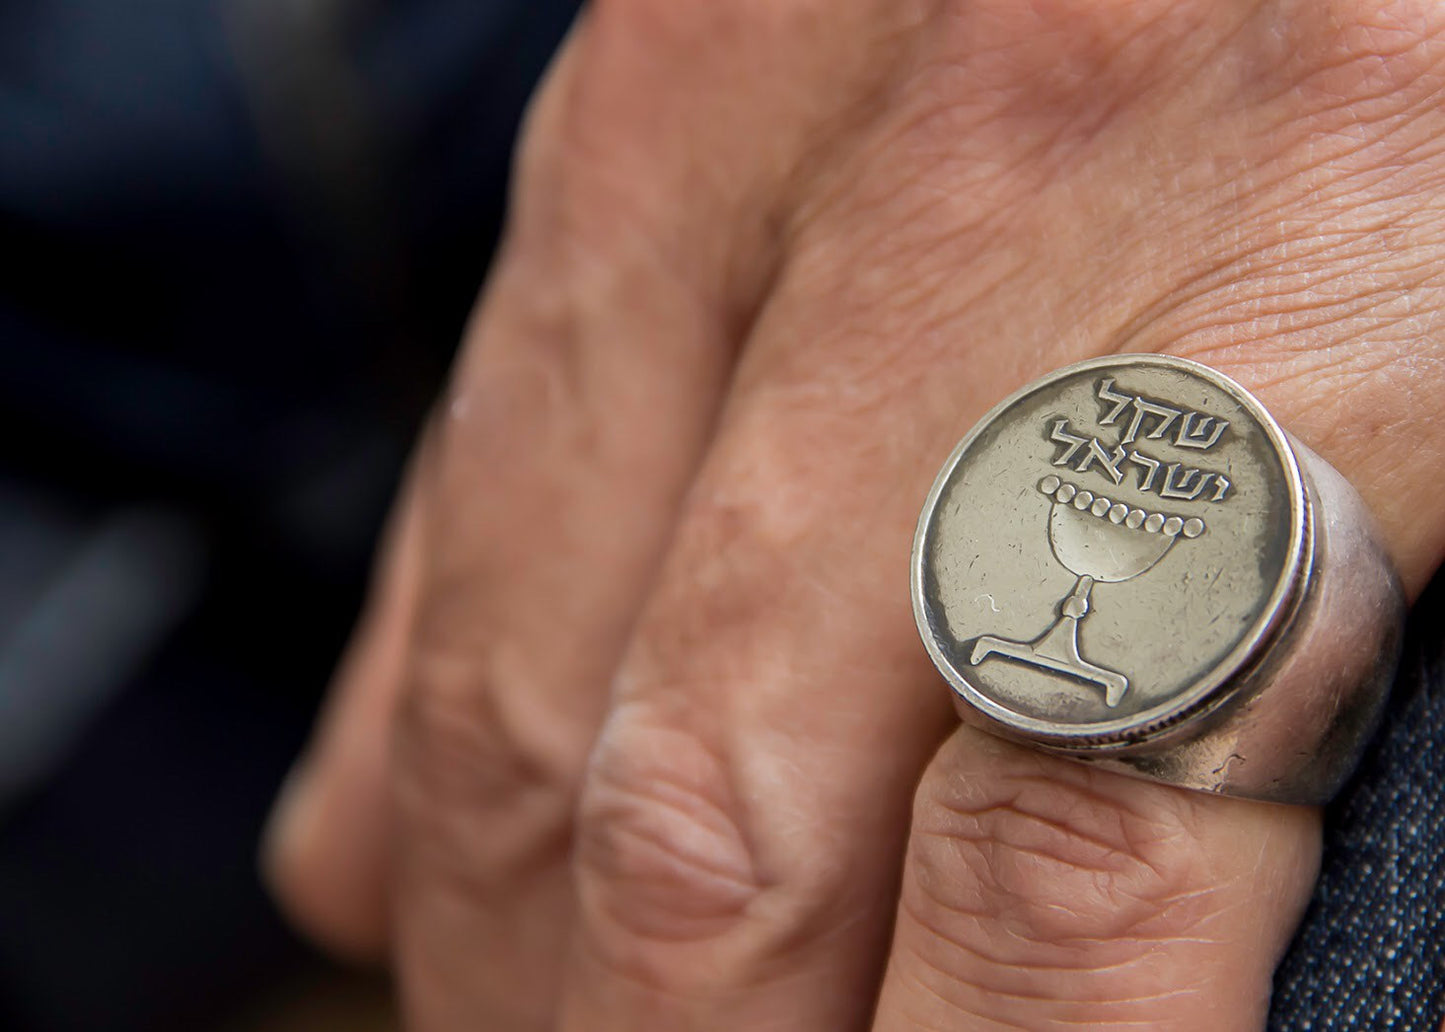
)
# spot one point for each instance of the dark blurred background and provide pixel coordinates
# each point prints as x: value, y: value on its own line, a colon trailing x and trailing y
x: 241, y: 238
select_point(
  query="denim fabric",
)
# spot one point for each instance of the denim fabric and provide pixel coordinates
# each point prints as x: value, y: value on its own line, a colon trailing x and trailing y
x: 1369, y: 954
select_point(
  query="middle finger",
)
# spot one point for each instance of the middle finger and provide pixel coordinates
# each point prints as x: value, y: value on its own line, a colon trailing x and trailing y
x: 746, y: 802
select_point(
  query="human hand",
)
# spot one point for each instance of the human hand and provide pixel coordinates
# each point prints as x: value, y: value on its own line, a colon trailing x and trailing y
x: 638, y: 732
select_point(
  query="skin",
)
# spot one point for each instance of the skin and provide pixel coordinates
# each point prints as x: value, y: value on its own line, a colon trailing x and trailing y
x: 637, y: 733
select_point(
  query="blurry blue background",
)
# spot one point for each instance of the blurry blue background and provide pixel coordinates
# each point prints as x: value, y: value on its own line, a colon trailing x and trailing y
x: 240, y: 239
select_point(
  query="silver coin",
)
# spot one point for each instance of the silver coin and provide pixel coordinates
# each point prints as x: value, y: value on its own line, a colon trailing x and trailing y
x: 1108, y: 549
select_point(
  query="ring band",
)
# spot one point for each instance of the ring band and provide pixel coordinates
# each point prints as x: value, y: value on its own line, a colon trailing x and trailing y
x: 1129, y: 562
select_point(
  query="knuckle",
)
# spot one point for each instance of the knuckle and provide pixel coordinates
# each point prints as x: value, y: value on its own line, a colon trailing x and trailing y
x: 675, y: 861
x: 675, y: 845
x: 470, y: 750
x: 661, y: 856
x: 1039, y: 869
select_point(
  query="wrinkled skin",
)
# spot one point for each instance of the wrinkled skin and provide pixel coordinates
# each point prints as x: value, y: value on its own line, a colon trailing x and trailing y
x: 637, y: 733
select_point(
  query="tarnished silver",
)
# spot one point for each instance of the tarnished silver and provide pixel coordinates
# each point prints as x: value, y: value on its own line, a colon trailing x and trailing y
x: 1130, y: 562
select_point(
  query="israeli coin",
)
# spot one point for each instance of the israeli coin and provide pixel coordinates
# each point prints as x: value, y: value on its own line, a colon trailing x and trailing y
x: 1108, y: 549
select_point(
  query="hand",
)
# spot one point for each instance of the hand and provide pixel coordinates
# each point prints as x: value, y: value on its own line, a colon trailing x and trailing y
x: 638, y: 733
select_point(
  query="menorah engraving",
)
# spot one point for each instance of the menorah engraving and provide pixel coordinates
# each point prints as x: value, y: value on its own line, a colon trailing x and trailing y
x: 1097, y: 540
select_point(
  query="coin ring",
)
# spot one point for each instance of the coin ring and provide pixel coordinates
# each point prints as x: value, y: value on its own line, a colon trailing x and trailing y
x: 1131, y: 563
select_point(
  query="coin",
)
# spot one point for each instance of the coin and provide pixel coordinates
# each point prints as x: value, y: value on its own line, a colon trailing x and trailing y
x: 1108, y: 549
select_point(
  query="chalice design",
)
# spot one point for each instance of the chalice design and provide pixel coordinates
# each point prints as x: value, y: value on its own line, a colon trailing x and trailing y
x: 1099, y: 541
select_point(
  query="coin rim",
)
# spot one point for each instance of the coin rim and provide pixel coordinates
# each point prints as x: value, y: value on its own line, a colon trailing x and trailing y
x: 1220, y: 679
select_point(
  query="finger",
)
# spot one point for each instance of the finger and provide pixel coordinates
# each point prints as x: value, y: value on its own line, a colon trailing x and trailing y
x: 584, y: 395
x: 748, y: 792
x: 581, y: 406
x: 1042, y: 894
x: 326, y: 850
x: 644, y: 234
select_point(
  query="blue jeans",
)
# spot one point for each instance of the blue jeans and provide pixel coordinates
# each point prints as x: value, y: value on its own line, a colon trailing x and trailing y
x: 1369, y: 954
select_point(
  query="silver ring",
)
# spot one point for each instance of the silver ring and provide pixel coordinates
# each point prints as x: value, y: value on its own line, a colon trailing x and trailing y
x: 1129, y: 562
